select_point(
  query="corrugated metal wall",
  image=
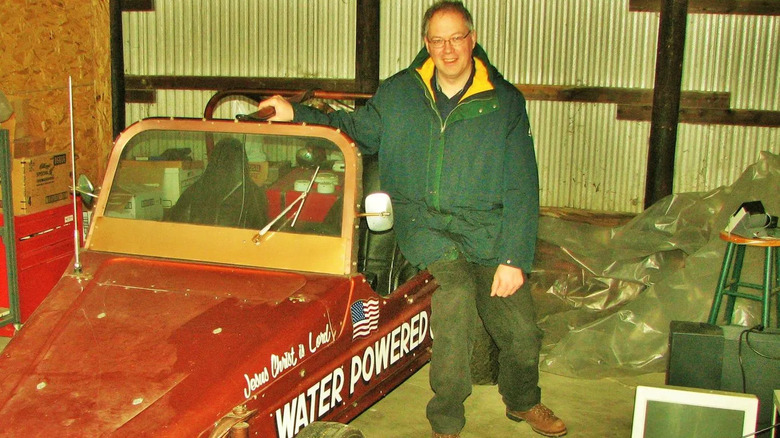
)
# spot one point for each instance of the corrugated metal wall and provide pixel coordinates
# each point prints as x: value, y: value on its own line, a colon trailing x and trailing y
x: 262, y: 38
x: 588, y: 159
x: 267, y: 38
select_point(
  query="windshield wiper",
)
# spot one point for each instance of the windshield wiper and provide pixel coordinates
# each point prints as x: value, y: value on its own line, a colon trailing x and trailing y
x: 299, y: 200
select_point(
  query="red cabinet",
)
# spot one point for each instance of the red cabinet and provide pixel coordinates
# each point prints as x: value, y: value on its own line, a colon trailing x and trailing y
x: 320, y: 200
x: 44, y: 249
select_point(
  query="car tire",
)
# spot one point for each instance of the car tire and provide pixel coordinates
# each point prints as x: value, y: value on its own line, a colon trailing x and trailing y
x: 329, y: 429
x: 484, y: 358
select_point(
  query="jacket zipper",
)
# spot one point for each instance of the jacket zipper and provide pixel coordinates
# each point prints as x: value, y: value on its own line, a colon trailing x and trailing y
x: 437, y: 177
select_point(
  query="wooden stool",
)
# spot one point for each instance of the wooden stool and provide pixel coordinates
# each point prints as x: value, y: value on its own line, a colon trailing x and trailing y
x: 770, y: 285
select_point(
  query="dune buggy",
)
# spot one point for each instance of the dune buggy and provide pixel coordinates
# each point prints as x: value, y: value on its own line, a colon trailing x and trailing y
x: 229, y: 285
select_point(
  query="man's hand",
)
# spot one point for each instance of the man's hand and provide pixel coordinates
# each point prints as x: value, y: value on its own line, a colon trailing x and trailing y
x: 506, y: 281
x: 284, y: 111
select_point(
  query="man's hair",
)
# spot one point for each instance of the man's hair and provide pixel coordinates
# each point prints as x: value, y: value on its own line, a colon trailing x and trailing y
x: 449, y: 6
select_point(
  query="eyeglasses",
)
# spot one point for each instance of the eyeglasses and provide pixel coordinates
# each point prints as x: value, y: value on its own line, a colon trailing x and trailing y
x: 456, y: 41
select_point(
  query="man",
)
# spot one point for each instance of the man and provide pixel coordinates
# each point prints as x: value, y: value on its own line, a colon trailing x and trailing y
x: 456, y: 156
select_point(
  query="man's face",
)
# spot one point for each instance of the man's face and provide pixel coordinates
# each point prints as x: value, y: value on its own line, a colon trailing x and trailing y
x: 453, y: 61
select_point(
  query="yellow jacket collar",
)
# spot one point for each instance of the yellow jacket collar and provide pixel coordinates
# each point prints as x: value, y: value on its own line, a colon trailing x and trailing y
x: 481, y: 81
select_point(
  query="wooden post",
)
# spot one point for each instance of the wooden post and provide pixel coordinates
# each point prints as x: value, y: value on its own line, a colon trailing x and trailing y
x: 367, y: 46
x: 117, y: 68
x: 666, y: 100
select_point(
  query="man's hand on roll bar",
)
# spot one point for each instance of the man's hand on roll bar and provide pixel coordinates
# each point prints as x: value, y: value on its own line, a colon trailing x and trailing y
x: 283, y: 108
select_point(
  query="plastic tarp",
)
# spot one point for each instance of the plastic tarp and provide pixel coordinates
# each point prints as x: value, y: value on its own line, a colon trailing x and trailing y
x: 606, y: 296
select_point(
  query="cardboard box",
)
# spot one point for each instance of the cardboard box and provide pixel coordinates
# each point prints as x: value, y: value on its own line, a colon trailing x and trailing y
x: 276, y: 170
x: 22, y: 146
x: 175, y: 182
x: 135, y: 201
x: 28, y: 147
x: 40, y: 182
x: 259, y: 172
x: 21, y: 108
x: 171, y: 177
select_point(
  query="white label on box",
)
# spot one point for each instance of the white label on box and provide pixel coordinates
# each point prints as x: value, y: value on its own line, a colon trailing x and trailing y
x: 175, y: 181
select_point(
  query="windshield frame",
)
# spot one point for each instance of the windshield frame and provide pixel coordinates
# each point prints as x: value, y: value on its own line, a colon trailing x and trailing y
x: 233, y: 246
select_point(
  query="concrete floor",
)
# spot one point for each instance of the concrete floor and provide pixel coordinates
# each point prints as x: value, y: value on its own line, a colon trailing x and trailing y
x: 591, y: 408
x: 600, y: 408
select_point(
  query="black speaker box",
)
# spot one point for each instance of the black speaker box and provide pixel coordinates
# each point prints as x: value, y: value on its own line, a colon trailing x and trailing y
x: 728, y: 358
x: 760, y: 353
x: 695, y: 355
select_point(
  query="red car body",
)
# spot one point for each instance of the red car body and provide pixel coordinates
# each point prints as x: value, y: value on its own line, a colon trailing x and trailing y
x: 181, y: 328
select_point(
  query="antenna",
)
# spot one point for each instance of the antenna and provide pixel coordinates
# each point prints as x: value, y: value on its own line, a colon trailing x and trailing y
x: 76, y: 240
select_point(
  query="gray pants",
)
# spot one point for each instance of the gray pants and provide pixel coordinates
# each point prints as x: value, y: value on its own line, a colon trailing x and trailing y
x: 462, y: 298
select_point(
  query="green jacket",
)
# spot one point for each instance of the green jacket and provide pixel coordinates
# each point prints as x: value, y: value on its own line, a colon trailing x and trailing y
x: 468, y: 183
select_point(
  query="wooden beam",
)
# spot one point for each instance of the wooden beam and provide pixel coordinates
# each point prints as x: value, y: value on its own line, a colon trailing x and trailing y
x: 702, y: 116
x: 697, y: 107
x: 137, y: 5
x: 736, y: 7
x: 118, y: 91
x: 632, y: 96
x: 594, y: 217
x: 228, y: 82
x: 367, y: 46
x: 635, y: 96
x: 140, y: 96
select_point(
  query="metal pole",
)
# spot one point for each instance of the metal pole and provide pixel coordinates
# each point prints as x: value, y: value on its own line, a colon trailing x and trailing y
x: 666, y: 100
x: 76, y: 221
x: 9, y: 230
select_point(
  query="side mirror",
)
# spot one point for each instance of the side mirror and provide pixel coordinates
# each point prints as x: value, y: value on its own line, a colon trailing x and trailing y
x: 85, y: 188
x: 379, y: 212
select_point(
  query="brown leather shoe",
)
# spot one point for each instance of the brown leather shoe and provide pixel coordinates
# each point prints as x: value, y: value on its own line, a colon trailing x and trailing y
x: 444, y: 435
x: 541, y: 419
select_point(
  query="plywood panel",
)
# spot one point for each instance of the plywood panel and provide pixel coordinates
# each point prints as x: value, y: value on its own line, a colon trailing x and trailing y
x: 45, y: 42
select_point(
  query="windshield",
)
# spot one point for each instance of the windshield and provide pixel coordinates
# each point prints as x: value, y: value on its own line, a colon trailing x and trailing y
x: 280, y: 196
x: 233, y: 180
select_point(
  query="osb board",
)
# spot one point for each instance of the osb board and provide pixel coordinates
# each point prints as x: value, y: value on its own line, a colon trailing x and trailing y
x: 44, y: 42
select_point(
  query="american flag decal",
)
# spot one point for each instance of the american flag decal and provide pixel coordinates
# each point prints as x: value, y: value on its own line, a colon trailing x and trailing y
x: 365, y: 317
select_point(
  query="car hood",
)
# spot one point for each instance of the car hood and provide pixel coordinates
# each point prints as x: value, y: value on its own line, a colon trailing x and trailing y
x: 142, y: 347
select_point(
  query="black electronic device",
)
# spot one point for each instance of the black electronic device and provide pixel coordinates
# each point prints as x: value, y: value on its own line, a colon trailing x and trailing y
x: 751, y: 220
x: 751, y: 364
x: 695, y: 355
x: 726, y: 358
